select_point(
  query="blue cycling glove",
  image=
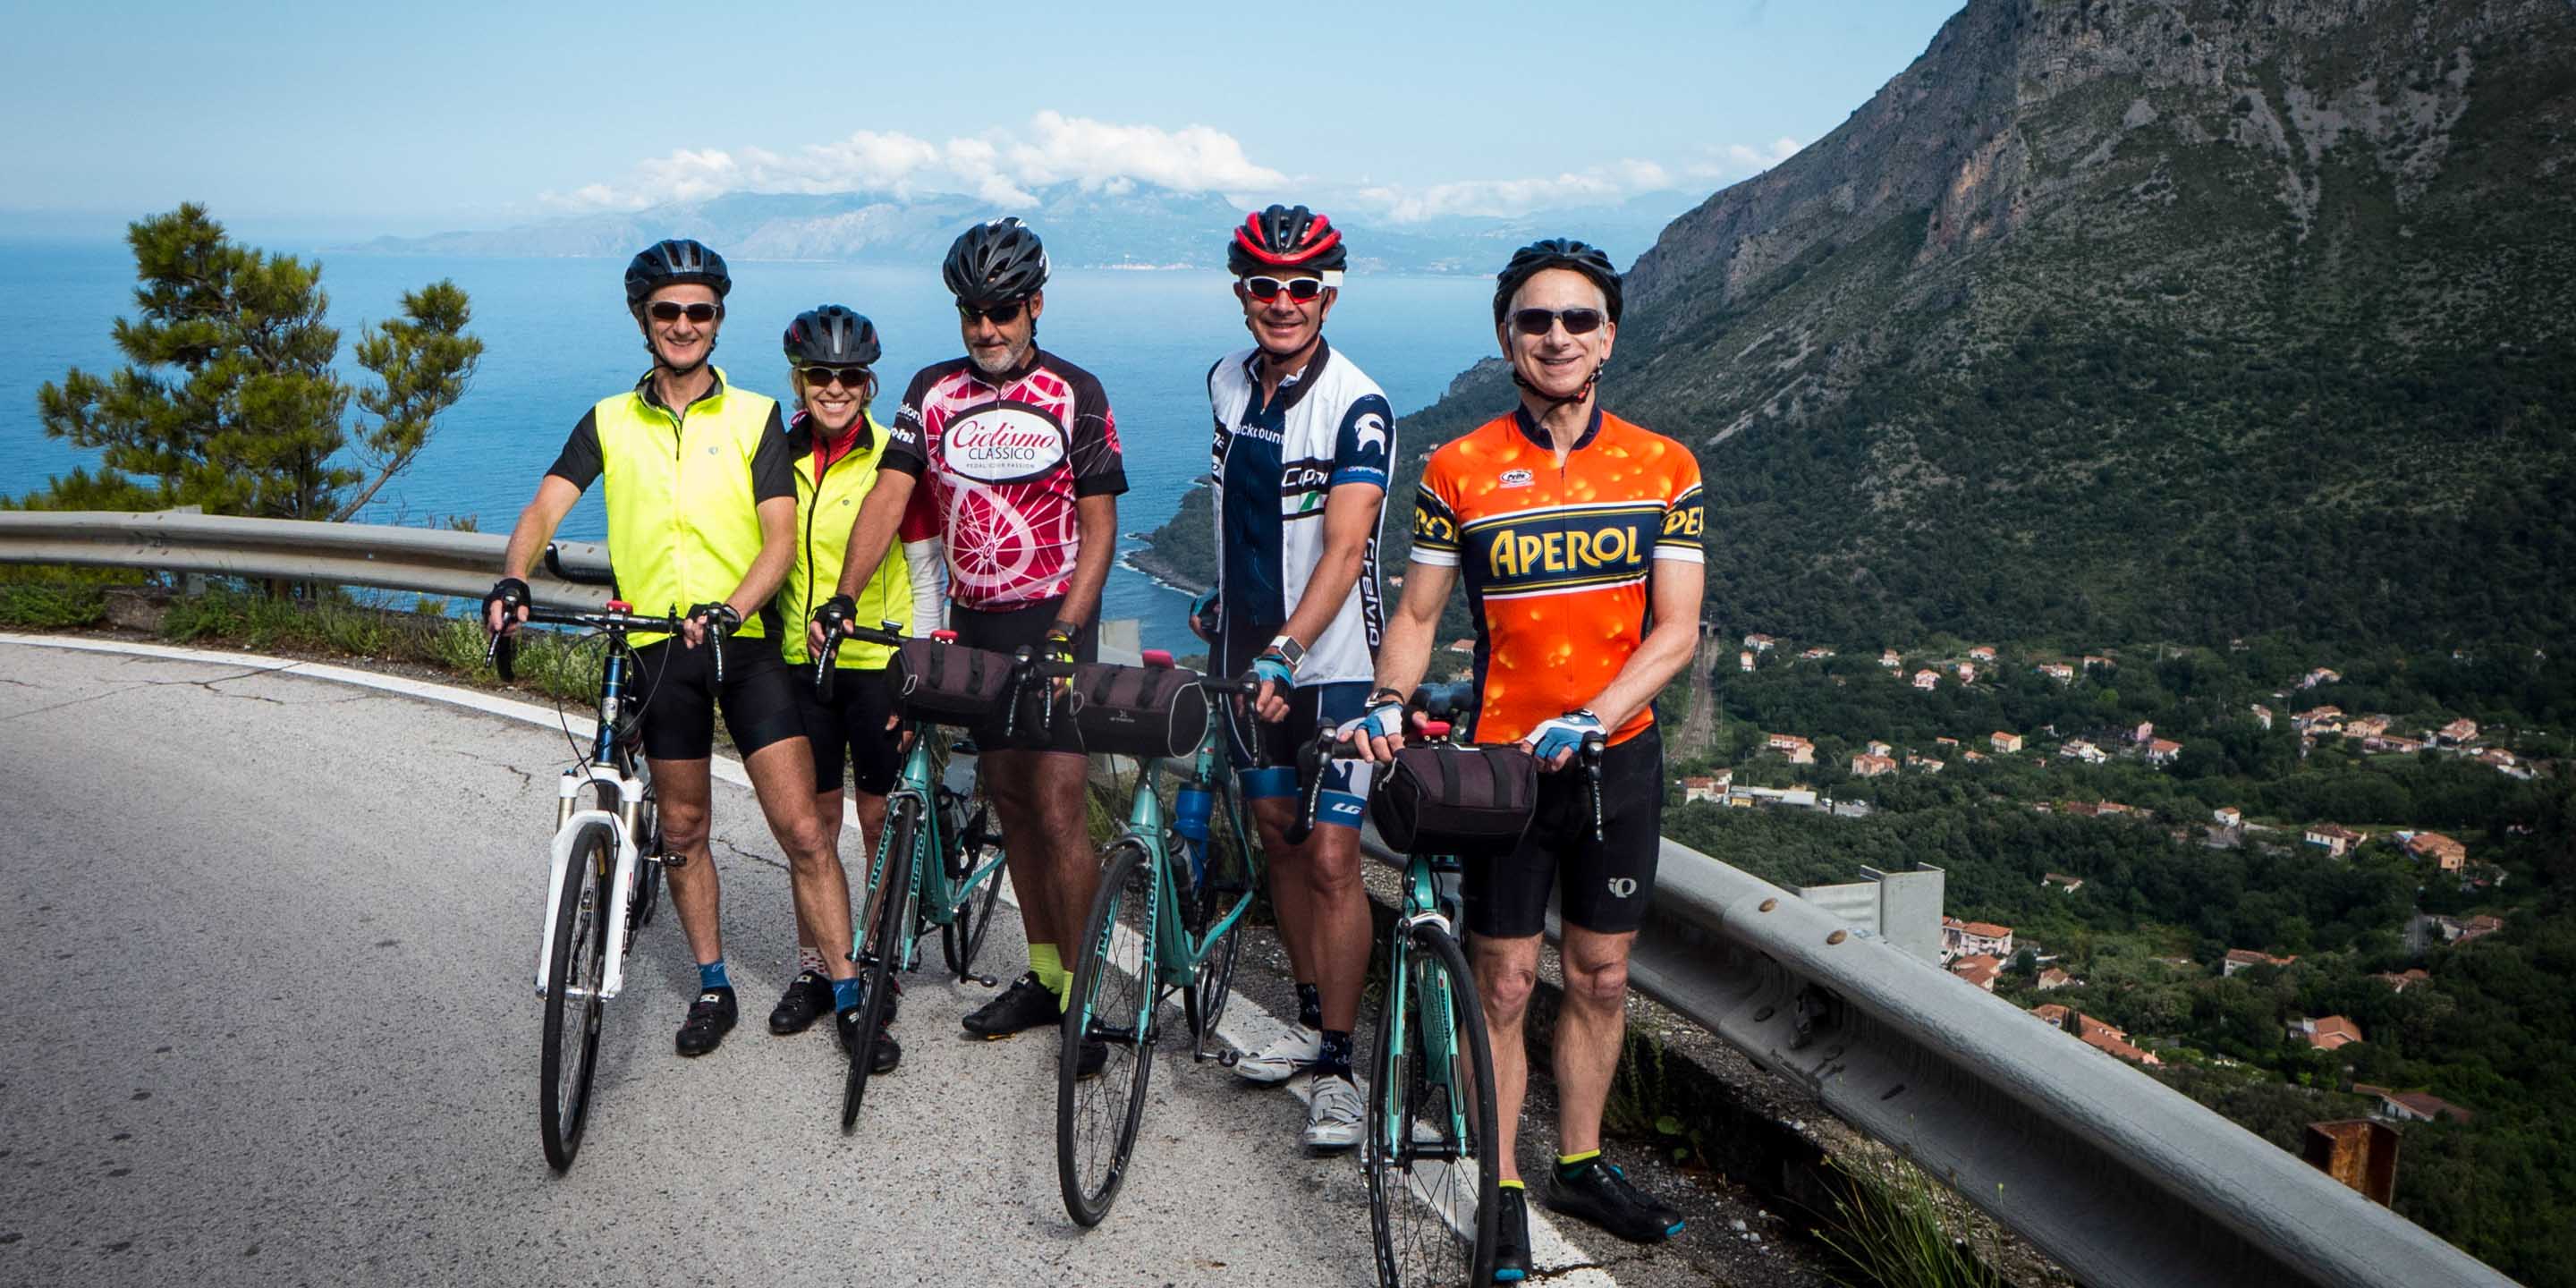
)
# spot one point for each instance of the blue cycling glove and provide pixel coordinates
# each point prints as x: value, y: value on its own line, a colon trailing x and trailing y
x: 1383, y: 719
x: 1273, y: 665
x: 1562, y: 734
x: 1203, y: 615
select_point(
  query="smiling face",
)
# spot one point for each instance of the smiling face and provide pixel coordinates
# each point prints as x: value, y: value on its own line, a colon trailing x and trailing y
x: 679, y: 343
x: 1281, y: 325
x: 1557, y: 364
x: 995, y: 347
x: 834, y: 405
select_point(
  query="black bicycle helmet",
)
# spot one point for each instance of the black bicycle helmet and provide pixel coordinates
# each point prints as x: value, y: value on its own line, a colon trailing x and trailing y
x: 670, y: 263
x: 832, y: 336
x: 1555, y: 252
x: 995, y: 262
x: 1289, y: 237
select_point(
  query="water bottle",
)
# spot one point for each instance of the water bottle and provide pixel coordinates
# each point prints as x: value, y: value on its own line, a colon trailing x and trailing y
x: 1190, y: 809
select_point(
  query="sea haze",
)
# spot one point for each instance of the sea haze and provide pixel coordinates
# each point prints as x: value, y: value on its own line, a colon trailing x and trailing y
x: 557, y: 338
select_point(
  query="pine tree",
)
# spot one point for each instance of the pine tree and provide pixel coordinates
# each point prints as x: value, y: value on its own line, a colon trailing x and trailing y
x: 229, y: 400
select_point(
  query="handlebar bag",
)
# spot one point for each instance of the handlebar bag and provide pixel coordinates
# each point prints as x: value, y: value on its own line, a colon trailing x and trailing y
x: 1468, y: 802
x: 1140, y: 711
x: 950, y: 684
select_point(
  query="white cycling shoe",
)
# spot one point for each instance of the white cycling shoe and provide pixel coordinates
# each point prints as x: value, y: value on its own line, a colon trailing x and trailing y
x: 1281, y: 1060
x: 1334, y: 1114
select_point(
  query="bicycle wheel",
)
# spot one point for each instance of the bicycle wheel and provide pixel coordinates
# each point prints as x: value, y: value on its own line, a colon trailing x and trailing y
x: 974, y: 846
x: 648, y: 844
x: 1113, y: 999
x: 571, y: 1047
x: 1432, y: 1187
x: 1213, y: 982
x: 891, y: 893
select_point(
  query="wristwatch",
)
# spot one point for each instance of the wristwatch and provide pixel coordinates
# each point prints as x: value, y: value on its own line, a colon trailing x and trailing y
x: 1287, y: 646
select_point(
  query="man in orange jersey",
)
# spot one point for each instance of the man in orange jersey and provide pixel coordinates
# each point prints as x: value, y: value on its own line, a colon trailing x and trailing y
x: 1578, y: 537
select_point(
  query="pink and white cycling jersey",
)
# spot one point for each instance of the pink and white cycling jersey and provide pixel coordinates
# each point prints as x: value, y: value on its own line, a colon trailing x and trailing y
x: 1005, y: 458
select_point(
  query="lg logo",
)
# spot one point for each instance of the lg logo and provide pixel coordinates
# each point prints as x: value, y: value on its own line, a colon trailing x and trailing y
x: 1622, y: 887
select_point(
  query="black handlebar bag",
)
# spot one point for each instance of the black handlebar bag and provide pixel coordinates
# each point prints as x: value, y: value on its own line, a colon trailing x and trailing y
x: 1466, y: 802
x: 1139, y: 711
x: 950, y: 684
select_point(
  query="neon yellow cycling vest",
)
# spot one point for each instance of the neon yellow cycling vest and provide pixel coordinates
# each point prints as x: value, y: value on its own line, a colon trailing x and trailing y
x: 683, y: 528
x: 825, y: 509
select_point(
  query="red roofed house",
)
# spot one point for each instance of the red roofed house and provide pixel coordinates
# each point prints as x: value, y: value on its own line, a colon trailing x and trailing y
x: 2161, y: 751
x: 1817, y: 654
x: 1970, y: 938
x: 1797, y: 749
x: 1463, y: 646
x: 2004, y: 743
x: 1877, y: 748
x: 2328, y: 1033
x: 2334, y: 840
x: 2321, y: 675
x: 1967, y: 673
x: 2263, y: 715
x: 2411, y: 1106
x: 1979, y: 970
x: 2229, y: 816
x: 2094, y: 1033
x: 1983, y: 652
x: 2054, y: 1013
x: 2058, y: 671
x: 2433, y: 845
x: 1867, y: 766
x: 1707, y: 789
x: 1759, y: 643
x: 2053, y: 978
x: 1925, y: 680
x: 2457, y: 732
x: 1744, y: 660
x: 2365, y: 727
x: 2239, y: 958
x: 1888, y: 658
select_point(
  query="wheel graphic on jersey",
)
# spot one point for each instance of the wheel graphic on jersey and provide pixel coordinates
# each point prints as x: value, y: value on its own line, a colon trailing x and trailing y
x: 989, y: 544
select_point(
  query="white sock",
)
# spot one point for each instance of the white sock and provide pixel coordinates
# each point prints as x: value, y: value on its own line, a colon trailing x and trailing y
x: 810, y: 958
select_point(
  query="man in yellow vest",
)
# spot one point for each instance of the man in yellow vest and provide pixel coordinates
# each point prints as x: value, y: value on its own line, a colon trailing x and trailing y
x: 701, y: 498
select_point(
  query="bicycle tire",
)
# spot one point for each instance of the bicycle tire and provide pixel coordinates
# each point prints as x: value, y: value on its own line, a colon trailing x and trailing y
x: 1212, y: 983
x: 877, y: 956
x: 1114, y: 995
x: 963, y: 937
x: 1422, y: 1192
x: 569, y: 1055
x: 648, y: 844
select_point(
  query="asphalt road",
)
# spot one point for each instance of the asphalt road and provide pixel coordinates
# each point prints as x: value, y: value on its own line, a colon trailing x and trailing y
x: 270, y: 1021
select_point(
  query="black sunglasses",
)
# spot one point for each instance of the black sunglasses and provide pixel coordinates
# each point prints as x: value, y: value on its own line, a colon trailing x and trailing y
x: 849, y: 377
x: 1539, y: 321
x: 673, y: 311
x: 1300, y: 289
x: 999, y: 314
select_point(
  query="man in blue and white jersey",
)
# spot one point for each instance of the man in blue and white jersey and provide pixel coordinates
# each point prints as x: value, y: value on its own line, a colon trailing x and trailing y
x: 1303, y: 441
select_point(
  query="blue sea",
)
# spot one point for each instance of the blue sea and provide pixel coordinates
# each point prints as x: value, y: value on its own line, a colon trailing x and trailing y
x: 557, y: 338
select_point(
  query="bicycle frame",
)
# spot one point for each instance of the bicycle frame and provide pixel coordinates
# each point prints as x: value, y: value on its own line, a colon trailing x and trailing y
x: 1426, y: 900
x: 604, y: 773
x: 1176, y: 950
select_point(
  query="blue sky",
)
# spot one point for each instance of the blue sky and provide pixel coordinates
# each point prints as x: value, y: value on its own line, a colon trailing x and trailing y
x: 357, y: 119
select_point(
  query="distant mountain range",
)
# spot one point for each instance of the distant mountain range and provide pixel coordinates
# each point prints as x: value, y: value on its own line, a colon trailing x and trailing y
x: 2126, y: 320
x: 1136, y: 225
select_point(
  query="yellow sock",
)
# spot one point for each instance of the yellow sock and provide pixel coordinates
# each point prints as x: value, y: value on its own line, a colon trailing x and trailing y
x: 1050, y: 970
x: 1568, y: 1164
x: 1513, y: 1183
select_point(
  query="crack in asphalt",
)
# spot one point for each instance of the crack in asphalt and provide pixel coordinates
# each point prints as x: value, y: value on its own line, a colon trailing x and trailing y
x: 779, y: 864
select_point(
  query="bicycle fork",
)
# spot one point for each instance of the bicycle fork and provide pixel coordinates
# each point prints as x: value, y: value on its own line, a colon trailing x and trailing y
x: 621, y: 883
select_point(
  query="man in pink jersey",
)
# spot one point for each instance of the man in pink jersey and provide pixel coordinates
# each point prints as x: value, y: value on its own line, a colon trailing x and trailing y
x: 1017, y: 452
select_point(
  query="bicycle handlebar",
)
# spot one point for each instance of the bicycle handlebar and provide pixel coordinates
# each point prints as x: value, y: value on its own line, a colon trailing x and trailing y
x: 827, y: 658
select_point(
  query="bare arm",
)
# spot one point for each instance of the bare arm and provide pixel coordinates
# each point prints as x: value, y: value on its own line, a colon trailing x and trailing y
x: 1676, y: 589
x: 1406, y: 652
x: 536, y: 526
x: 1096, y: 518
x: 1350, y: 515
x: 777, y: 554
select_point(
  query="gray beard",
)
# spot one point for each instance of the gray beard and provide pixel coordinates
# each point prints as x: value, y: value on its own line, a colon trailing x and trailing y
x: 1010, y: 358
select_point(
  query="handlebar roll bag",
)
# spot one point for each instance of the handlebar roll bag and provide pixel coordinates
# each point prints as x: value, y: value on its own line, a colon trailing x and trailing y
x: 950, y: 684
x: 1140, y: 711
x: 1468, y: 802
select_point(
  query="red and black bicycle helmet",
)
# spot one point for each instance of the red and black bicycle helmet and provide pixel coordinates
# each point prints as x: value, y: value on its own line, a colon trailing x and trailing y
x: 1286, y: 237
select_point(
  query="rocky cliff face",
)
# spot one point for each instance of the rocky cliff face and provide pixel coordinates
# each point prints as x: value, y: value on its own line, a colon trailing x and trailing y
x: 2139, y: 317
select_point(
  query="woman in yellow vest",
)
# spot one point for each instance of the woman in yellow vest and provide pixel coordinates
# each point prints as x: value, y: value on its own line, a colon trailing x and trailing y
x: 831, y: 352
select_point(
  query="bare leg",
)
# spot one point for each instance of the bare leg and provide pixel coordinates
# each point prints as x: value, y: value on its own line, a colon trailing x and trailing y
x: 1025, y: 851
x: 782, y: 774
x: 680, y: 787
x: 1506, y: 972
x: 1291, y: 895
x: 1063, y: 808
x: 1588, y: 1032
x: 1323, y: 909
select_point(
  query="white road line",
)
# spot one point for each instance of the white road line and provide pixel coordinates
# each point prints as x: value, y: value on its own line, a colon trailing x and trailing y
x: 1246, y: 1026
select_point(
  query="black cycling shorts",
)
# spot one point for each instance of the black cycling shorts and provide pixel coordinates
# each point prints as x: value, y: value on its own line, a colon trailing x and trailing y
x: 681, y: 697
x: 850, y: 730
x: 1312, y: 708
x: 1006, y: 632
x: 1603, y: 885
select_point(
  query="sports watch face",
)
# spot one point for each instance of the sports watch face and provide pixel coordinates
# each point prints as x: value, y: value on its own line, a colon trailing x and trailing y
x: 1005, y: 442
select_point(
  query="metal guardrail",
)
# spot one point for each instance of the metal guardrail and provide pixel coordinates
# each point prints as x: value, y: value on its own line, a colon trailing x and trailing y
x: 2126, y: 1182
x: 461, y: 564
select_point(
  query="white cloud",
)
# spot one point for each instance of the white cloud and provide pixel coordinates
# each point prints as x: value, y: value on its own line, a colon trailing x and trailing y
x: 1000, y: 165
x: 1616, y: 181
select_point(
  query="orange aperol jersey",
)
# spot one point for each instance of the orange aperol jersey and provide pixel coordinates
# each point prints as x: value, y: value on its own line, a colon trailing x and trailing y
x: 1557, y: 561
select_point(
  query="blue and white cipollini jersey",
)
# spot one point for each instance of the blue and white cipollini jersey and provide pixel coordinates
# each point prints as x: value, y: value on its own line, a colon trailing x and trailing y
x: 1273, y: 464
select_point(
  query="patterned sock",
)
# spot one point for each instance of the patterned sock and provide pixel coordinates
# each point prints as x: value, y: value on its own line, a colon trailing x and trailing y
x: 712, y: 975
x: 808, y: 957
x: 1050, y: 970
x: 845, y: 993
x: 1334, y: 1057
x: 1569, y: 1166
x: 1310, y: 1006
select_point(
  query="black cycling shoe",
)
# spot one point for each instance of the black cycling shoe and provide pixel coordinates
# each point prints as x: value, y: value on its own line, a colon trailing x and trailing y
x: 710, y: 1018
x: 884, y: 1056
x: 1511, y: 1235
x: 808, y: 998
x: 1603, y: 1195
x: 1094, y: 1058
x: 1026, y: 1004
